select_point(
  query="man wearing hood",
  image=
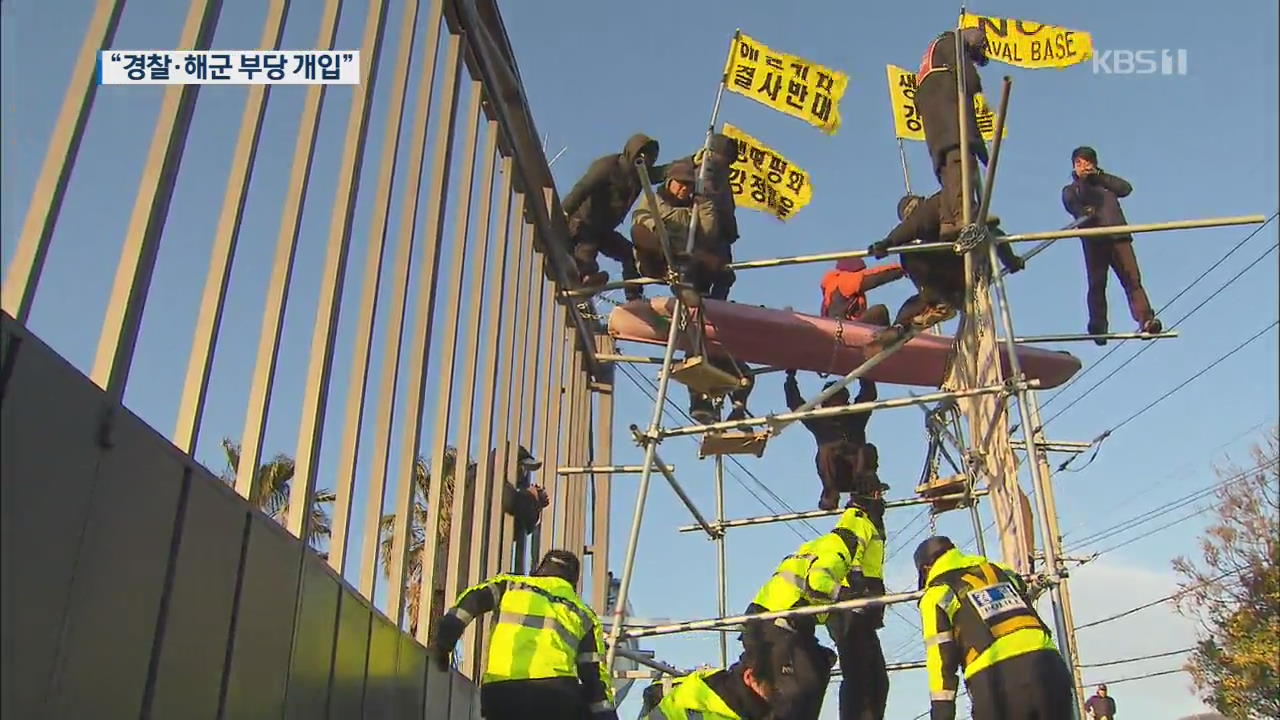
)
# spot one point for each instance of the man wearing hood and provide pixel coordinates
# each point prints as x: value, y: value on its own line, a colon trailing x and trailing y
x: 523, y: 501
x: 845, y: 460
x: 1096, y: 194
x: 936, y: 102
x: 844, y: 290
x: 938, y: 275
x: 704, y: 269
x: 598, y: 203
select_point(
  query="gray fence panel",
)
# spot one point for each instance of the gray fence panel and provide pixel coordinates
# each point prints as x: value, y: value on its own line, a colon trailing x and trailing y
x: 48, y: 459
x: 308, y: 692
x: 411, y: 669
x: 346, y: 691
x: 120, y: 575
x: 193, y: 648
x: 264, y: 623
x: 379, y: 694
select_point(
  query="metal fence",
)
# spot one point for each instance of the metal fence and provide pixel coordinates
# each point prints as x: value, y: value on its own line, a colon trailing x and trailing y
x: 438, y: 344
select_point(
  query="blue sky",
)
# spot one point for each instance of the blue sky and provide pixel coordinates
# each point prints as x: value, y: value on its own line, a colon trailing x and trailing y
x: 1198, y: 145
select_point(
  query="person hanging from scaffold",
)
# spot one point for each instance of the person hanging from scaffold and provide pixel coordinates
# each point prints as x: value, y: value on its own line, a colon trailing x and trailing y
x: 703, y: 271
x: 845, y: 460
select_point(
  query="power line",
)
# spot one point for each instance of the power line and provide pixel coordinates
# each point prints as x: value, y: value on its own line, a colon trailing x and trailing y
x: 1137, y: 677
x: 1153, y: 603
x: 1175, y: 324
x: 1153, y: 531
x: 1175, y: 298
x: 1136, y: 659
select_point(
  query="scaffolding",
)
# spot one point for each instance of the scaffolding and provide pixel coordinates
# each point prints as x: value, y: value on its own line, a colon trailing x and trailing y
x: 975, y: 393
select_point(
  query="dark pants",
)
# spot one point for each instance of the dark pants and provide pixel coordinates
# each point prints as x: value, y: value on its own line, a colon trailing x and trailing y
x: 549, y: 699
x: 864, y: 682
x: 587, y: 244
x: 801, y: 667
x: 1035, y: 686
x: 737, y: 397
x: 840, y: 466
x: 1118, y: 256
x: 706, y: 266
x: 939, y: 278
x: 874, y: 315
x: 951, y: 176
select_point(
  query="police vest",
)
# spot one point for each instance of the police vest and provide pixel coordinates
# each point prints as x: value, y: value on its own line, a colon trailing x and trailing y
x: 991, y: 618
x: 858, y: 522
x: 540, y: 624
x: 812, y: 575
x: 690, y: 698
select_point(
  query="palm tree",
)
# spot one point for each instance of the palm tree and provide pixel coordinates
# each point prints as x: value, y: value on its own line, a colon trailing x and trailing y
x: 272, y: 492
x: 418, y: 521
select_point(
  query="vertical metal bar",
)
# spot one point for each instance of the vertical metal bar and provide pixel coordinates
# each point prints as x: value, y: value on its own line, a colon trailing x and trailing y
x: 565, y: 442
x: 444, y: 389
x: 420, y: 345
x: 387, y: 386
x: 642, y: 492
x: 906, y: 175
x: 965, y: 106
x: 495, y: 373
x: 209, y: 320
x: 23, y: 277
x: 375, y: 254
x: 463, y: 542
x: 977, y: 525
x: 555, y: 348
x: 1039, y: 478
x: 315, y: 393
x: 123, y: 318
x: 603, y: 455
x: 581, y: 421
x: 304, y: 149
x: 508, y: 408
x: 722, y: 602
x: 531, y: 366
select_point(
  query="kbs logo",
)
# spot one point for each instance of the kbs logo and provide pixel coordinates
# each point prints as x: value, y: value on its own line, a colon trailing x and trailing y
x: 1140, y: 62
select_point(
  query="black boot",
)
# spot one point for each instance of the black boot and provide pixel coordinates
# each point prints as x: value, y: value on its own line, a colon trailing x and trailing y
x: 702, y: 410
x: 1098, y: 329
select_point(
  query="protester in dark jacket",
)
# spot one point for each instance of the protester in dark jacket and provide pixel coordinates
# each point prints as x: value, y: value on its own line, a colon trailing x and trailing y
x: 723, y: 152
x: 599, y: 202
x: 936, y: 103
x: 938, y: 275
x: 846, y: 462
x: 1096, y: 194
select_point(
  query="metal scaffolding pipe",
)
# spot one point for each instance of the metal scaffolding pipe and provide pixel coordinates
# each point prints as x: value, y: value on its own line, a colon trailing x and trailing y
x: 638, y: 359
x: 1131, y: 229
x: 1103, y: 336
x: 826, y: 257
x: 840, y: 410
x: 671, y: 479
x: 814, y: 514
x: 604, y: 469
x: 648, y: 661
x: 615, y: 285
x: 715, y: 623
x: 1064, y: 446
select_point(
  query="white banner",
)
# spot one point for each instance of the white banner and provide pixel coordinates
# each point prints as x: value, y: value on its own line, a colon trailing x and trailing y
x: 229, y: 67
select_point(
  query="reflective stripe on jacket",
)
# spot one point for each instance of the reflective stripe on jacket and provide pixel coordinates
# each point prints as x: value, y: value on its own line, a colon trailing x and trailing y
x: 690, y: 698
x: 974, y: 614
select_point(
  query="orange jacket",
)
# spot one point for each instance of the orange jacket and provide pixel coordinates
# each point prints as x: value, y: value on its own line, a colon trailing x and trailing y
x: 844, y: 294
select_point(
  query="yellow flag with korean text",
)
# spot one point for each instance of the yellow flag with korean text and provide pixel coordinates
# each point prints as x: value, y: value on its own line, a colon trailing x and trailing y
x: 906, y: 121
x: 762, y: 179
x: 1027, y: 44
x: 786, y: 83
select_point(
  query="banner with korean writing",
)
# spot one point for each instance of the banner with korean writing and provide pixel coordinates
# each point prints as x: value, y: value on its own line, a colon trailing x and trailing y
x: 1027, y: 44
x: 762, y: 179
x: 786, y: 83
x: 906, y: 121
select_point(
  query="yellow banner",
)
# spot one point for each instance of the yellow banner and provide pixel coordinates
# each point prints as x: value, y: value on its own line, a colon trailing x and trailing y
x: 762, y: 179
x: 906, y: 121
x: 786, y: 83
x: 1027, y: 44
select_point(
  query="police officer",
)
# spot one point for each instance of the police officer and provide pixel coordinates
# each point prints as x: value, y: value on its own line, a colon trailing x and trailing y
x: 740, y: 692
x: 813, y: 575
x: 978, y: 616
x: 546, y: 651
x: 864, y: 681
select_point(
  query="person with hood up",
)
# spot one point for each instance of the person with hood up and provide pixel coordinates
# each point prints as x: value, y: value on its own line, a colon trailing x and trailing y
x: 844, y: 290
x: 864, y: 680
x: 845, y: 460
x: 739, y: 692
x: 546, y: 649
x: 938, y: 275
x: 704, y: 269
x: 599, y: 202
x: 523, y: 500
x: 936, y: 103
x: 1095, y: 194
x: 978, y: 617
x: 1101, y: 706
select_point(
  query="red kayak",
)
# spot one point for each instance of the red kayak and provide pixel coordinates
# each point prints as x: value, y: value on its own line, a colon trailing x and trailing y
x: 786, y: 339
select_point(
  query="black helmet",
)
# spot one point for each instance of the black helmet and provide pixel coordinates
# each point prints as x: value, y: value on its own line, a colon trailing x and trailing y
x: 929, y: 551
x: 559, y: 563
x: 908, y: 205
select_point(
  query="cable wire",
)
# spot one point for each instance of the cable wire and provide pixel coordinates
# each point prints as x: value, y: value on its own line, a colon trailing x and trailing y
x: 1153, y: 603
x: 1136, y: 659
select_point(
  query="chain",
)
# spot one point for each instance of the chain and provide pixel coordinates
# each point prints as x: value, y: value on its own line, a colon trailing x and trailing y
x: 836, y: 342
